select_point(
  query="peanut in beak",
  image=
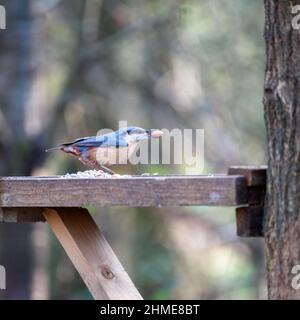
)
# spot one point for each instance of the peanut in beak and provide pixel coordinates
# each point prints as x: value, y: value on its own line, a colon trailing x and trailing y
x: 156, y: 133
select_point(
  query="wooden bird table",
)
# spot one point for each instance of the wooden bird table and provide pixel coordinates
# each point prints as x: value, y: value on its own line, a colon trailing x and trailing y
x: 60, y: 202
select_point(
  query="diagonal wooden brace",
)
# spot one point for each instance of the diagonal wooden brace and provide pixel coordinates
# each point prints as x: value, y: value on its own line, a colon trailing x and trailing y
x: 91, y: 254
x: 249, y: 219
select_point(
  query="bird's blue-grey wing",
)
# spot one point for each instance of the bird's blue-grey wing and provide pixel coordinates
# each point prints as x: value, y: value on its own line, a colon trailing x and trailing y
x: 96, y: 141
x: 106, y: 141
x: 87, y: 148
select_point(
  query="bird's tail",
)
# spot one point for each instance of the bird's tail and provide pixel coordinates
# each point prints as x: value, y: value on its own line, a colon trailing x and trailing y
x: 54, y: 148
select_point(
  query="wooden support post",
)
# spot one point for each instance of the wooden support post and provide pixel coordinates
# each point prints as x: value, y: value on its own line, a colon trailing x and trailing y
x: 249, y: 219
x: 91, y: 254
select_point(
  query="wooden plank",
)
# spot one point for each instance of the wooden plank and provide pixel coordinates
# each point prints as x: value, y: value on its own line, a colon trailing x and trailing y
x: 214, y: 190
x: 249, y: 221
x: 256, y: 195
x: 90, y: 253
x: 255, y: 175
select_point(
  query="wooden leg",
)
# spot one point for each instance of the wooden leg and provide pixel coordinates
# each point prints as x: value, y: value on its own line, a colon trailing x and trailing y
x: 91, y: 254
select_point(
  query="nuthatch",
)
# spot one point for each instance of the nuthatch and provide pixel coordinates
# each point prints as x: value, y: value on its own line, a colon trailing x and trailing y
x: 99, y: 152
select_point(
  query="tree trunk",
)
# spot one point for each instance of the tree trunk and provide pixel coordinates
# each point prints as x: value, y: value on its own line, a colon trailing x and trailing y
x: 282, y: 117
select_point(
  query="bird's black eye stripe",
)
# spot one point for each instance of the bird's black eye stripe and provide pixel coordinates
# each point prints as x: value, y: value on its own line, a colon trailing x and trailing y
x: 135, y: 130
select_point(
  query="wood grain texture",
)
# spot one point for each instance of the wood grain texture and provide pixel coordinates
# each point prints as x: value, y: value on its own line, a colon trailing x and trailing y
x: 90, y: 253
x: 255, y: 175
x: 217, y: 190
x: 249, y: 221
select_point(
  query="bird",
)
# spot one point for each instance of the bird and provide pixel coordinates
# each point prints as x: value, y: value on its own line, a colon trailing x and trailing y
x: 100, y: 152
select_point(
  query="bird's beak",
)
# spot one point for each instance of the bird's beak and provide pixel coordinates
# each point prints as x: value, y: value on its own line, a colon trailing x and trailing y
x: 154, y: 133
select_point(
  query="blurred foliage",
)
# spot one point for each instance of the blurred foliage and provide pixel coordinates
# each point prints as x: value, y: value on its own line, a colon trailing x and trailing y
x: 157, y: 64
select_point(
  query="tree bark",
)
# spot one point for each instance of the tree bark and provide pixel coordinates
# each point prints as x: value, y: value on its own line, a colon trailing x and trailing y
x: 282, y: 118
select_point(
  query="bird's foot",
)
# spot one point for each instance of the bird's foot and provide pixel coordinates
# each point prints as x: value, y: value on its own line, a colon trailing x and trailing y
x: 106, y: 170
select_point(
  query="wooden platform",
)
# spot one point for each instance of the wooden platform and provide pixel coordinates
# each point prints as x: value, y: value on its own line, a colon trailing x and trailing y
x: 217, y: 190
x: 59, y: 202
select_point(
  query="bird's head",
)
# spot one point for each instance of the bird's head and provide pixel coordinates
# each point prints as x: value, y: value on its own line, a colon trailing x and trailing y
x: 137, y: 134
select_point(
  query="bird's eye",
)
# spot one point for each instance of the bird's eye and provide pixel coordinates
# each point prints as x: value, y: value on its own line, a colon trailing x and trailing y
x: 136, y: 131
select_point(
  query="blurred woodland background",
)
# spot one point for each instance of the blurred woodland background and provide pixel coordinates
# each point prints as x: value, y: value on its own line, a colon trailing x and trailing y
x: 70, y: 68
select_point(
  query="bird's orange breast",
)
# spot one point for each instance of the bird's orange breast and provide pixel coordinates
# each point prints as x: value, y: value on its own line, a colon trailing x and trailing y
x: 111, y: 155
